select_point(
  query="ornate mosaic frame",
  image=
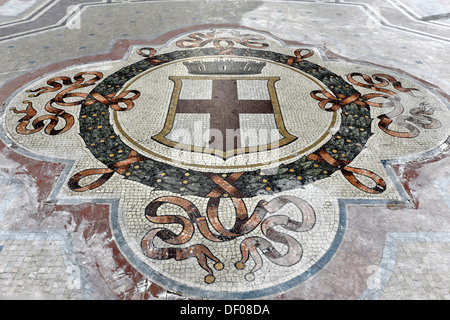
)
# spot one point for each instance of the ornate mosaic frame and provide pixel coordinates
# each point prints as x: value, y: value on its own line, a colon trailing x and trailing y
x: 266, y: 228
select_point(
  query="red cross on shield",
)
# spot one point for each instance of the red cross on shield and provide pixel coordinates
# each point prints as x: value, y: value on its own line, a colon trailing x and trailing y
x: 224, y: 116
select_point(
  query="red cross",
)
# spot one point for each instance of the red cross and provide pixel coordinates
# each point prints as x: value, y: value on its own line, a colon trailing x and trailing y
x: 224, y: 109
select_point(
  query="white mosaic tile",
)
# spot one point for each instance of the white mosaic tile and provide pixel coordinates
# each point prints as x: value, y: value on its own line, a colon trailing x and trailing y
x: 245, y: 221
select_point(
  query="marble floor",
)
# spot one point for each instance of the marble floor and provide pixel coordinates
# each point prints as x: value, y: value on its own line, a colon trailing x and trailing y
x: 259, y: 150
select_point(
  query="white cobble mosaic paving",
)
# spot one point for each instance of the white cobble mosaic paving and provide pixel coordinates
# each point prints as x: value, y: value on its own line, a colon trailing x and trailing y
x: 249, y: 220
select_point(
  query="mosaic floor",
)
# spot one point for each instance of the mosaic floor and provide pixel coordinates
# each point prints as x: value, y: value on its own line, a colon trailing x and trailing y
x: 243, y: 150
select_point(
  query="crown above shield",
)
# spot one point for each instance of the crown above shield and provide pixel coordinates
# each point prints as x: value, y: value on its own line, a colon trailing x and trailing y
x: 224, y: 67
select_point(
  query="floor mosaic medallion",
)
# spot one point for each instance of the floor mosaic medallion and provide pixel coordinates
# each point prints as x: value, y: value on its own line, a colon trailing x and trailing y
x: 227, y: 156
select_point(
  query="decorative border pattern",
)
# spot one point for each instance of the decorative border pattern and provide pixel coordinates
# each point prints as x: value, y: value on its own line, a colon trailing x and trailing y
x: 339, y: 151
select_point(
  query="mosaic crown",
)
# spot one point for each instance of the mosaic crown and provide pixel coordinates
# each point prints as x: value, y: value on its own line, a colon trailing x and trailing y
x: 224, y: 67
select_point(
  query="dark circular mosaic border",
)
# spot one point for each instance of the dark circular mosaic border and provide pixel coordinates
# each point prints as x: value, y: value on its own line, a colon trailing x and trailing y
x: 102, y: 141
